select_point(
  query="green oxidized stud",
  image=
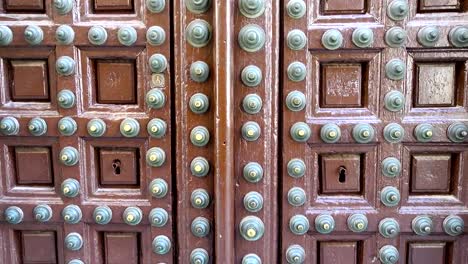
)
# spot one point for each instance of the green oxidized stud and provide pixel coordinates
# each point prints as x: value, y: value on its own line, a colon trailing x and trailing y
x: 251, y: 76
x: 75, y: 261
x: 67, y: 126
x: 296, y: 196
x: 252, y: 8
x: 200, y: 227
x: 42, y: 213
x: 395, y: 37
x: 155, y: 35
x: 397, y: 9
x: 300, y: 132
x: 33, y: 35
x: 422, y: 225
x: 251, y: 131
x: 200, y: 136
x: 96, y: 127
x: 251, y: 228
x: 158, y: 188
x: 253, y: 202
x: 299, y: 224
x: 199, y: 71
x: 97, y: 35
x: 127, y: 35
x: 102, y: 215
x: 453, y: 225
x: 198, y: 33
x: 330, y: 133
x: 357, y: 223
x: 457, y: 132
x: 69, y: 156
x: 9, y: 126
x: 155, y: 98
x: 253, y: 172
x: 70, y: 188
x: 395, y: 69
x: 64, y: 35
x: 324, y: 224
x: 394, y: 133
x: 296, y: 168
x: 363, y: 133
x: 63, y: 6
x: 296, y: 39
x: 129, y: 127
x: 428, y: 36
x: 458, y: 36
x: 200, y: 199
x: 73, y: 241
x: 199, y: 167
x: 199, y: 256
x: 13, y: 215
x: 363, y: 37
x: 394, y: 101
x: 132, y: 215
x: 332, y: 39
x: 389, y: 254
x: 72, y: 214
x: 296, y: 71
x: 198, y: 6
x: 424, y: 132
x: 6, y: 36
x: 390, y: 196
x: 37, y: 126
x: 389, y: 228
x: 158, y: 217
x: 155, y: 157
x: 251, y: 259
x: 251, y: 38
x: 199, y: 103
x: 155, y: 6
x: 391, y: 167
x: 295, y: 254
x: 66, y: 99
x: 252, y: 104
x: 296, y: 101
x: 161, y: 245
x: 157, y: 63
x: 296, y: 9
x: 65, y: 66
x: 156, y: 128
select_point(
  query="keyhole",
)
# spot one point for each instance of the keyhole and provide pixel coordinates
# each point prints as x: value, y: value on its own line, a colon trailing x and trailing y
x: 116, y: 166
x: 342, y: 174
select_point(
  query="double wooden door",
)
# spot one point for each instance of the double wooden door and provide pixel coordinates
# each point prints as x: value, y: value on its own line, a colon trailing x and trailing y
x: 247, y: 131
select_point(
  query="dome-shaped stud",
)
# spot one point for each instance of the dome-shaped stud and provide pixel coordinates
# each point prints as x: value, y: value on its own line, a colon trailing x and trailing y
x: 389, y: 254
x: 295, y: 101
x: 296, y: 168
x: 296, y: 9
x: 296, y: 71
x: 363, y: 133
x: 253, y: 202
x: 127, y: 35
x: 37, y: 126
x: 6, y: 36
x: 330, y: 133
x: 198, y: 6
x: 332, y: 39
x: 155, y: 157
x: 158, y: 188
x: 198, y: 33
x: 252, y: 104
x: 199, y: 167
x: 252, y: 8
x: 155, y: 6
x: 63, y: 6
x: 458, y: 36
x: 67, y: 126
x: 395, y: 37
x: 157, y: 63
x: 324, y: 224
x: 155, y: 35
x: 66, y: 99
x: 199, y: 256
x: 296, y: 196
x: 391, y: 167
x: 102, y: 215
x: 73, y: 241
x: 199, y: 136
x: 70, y: 188
x: 390, y: 196
x: 33, y: 35
x: 72, y: 214
x: 424, y: 132
x: 453, y: 225
x: 42, y: 213
x: 65, y: 35
x: 394, y: 133
x: 199, y: 103
x: 161, y: 245
x: 251, y: 131
x: 200, y: 227
x: 13, y: 215
x: 75, y: 261
x: 253, y: 172
x: 251, y: 259
x: 457, y: 132
x: 296, y: 39
x: 251, y: 38
x: 397, y: 10
x: 389, y: 228
x: 96, y: 127
x: 155, y: 98
x: 363, y: 37
x: 295, y: 254
x: 69, y: 156
x: 299, y: 224
x: 395, y: 69
x: 251, y: 76
x: 200, y: 199
x: 97, y: 35
x: 300, y: 132
x: 357, y: 223
x: 422, y: 225
x: 428, y: 36
x: 251, y: 228
x: 129, y: 127
x: 199, y: 71
x: 156, y: 128
x: 65, y: 66
x: 9, y: 126
x: 132, y: 215
x: 394, y: 101
x: 158, y: 217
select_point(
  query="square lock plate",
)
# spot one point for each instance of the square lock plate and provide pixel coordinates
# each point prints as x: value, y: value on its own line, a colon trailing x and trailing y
x: 342, y: 85
x: 29, y: 80
x: 431, y: 173
x: 119, y: 167
x: 39, y: 247
x: 33, y: 166
x: 116, y: 81
x: 122, y: 248
x: 340, y: 173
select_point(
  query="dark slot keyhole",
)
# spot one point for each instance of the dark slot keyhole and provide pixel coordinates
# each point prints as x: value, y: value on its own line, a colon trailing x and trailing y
x: 342, y: 174
x: 116, y: 166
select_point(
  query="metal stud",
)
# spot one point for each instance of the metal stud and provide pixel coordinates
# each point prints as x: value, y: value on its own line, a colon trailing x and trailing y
x: 424, y: 132
x: 155, y: 35
x: 158, y: 188
x: 199, y: 103
x: 252, y: 104
x: 198, y: 6
x: 65, y: 66
x: 199, y: 71
x: 198, y: 33
x: 363, y: 37
x: 253, y: 172
x: 453, y: 225
x: 161, y: 245
x: 394, y: 101
x: 422, y: 225
x: 33, y: 35
x: 363, y: 133
x: 394, y: 133
x: 155, y: 6
x: 395, y: 69
x: 428, y: 36
x: 296, y: 39
x: 63, y: 6
x: 199, y: 167
x: 251, y: 38
x: 458, y: 36
x: 296, y: 196
x: 97, y: 35
x: 157, y: 63
x: 6, y: 36
x: 102, y: 215
x: 253, y: 202
x: 296, y: 8
x: 66, y: 99
x: 299, y: 224
x: 391, y: 167
x: 200, y: 227
x: 37, y: 126
x: 300, y: 132
x: 199, y: 256
x: 65, y: 35
x: 251, y: 131
x: 9, y: 126
x: 357, y: 223
x: 158, y: 217
x: 332, y: 39
x: 96, y: 127
x: 129, y: 127
x: 296, y: 168
x: 395, y: 37
x: 330, y: 133
x: 296, y: 71
x: 73, y: 241
x: 389, y: 228
x: 155, y: 99
x: 251, y: 259
x: 200, y: 136
x: 72, y: 214
x: 296, y: 101
x: 389, y: 254
x: 67, y: 126
x: 390, y: 196
x: 397, y: 10
x: 251, y: 228
x: 251, y: 76
x: 13, y: 215
x: 70, y: 188
x: 132, y: 215
x: 156, y: 128
x: 42, y: 213
x: 295, y: 254
x: 324, y: 223
x: 75, y: 261
x: 252, y: 8
x: 69, y: 156
x: 200, y: 199
x: 457, y: 132
x: 127, y: 35
x: 155, y: 157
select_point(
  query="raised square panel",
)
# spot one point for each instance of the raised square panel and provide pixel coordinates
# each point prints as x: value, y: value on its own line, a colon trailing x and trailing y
x: 29, y: 80
x: 118, y: 167
x: 113, y: 5
x: 439, y: 5
x: 434, y: 253
x: 116, y: 82
x: 38, y: 247
x: 435, y: 84
x: 33, y: 166
x: 341, y: 85
x: 340, y: 173
x: 338, y: 252
x: 121, y: 248
x: 24, y: 6
x: 431, y: 173
x: 337, y: 7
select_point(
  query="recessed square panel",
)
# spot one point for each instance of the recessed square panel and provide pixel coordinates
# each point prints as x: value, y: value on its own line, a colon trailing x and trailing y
x: 435, y: 84
x: 38, y: 247
x: 431, y: 173
x: 118, y: 167
x: 116, y: 81
x: 431, y: 6
x: 25, y: 6
x: 29, y: 80
x: 33, y: 166
x: 341, y: 85
x: 121, y: 248
x: 338, y: 252
x: 434, y: 253
x: 337, y: 7
x: 113, y: 5
x: 340, y: 173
